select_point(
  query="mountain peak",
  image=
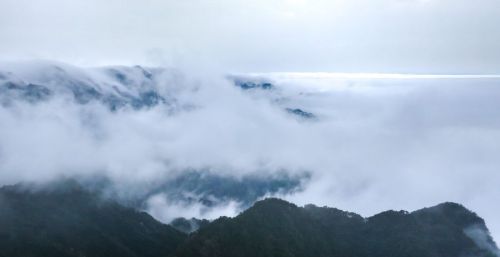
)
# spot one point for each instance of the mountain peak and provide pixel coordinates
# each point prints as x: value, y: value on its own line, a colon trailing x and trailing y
x: 274, y: 227
x: 451, y: 212
x: 272, y: 201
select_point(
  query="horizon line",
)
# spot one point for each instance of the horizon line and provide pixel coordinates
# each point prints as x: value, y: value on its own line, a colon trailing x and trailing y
x: 369, y: 75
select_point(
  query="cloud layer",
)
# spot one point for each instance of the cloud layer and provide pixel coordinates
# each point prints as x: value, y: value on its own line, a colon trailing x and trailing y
x: 374, y: 144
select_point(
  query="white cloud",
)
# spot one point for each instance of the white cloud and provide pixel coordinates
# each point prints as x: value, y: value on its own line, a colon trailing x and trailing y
x: 377, y: 144
x: 159, y: 207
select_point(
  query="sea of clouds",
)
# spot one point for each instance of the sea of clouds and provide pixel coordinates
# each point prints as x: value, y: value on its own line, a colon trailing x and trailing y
x: 374, y: 143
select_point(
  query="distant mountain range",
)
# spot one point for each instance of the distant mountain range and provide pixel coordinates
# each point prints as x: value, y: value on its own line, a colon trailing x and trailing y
x: 116, y: 87
x: 209, y: 190
x: 68, y: 220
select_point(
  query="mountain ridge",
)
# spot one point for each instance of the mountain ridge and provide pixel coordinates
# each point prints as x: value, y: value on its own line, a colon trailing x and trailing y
x: 68, y: 220
x: 274, y: 227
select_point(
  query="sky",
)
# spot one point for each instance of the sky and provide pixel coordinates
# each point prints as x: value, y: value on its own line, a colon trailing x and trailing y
x: 390, y: 36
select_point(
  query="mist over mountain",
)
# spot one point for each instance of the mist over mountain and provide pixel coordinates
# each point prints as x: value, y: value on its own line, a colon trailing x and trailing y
x: 217, y: 127
x: 131, y: 91
x: 115, y: 87
x: 66, y: 219
x: 177, y: 144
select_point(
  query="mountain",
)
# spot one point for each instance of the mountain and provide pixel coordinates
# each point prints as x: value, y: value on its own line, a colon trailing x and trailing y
x: 67, y: 221
x: 251, y: 83
x: 260, y: 87
x: 300, y: 113
x: 277, y: 228
x: 204, y: 188
x: 116, y: 87
x: 211, y: 189
x: 189, y: 225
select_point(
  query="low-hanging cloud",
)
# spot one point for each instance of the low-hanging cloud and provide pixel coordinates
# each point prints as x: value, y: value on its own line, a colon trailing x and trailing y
x: 375, y: 144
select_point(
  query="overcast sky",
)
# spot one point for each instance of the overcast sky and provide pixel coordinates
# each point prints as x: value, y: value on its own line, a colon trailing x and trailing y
x: 413, y: 36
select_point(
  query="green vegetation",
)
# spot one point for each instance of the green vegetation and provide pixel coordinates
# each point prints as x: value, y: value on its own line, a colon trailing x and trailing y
x: 68, y: 221
x: 277, y: 228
